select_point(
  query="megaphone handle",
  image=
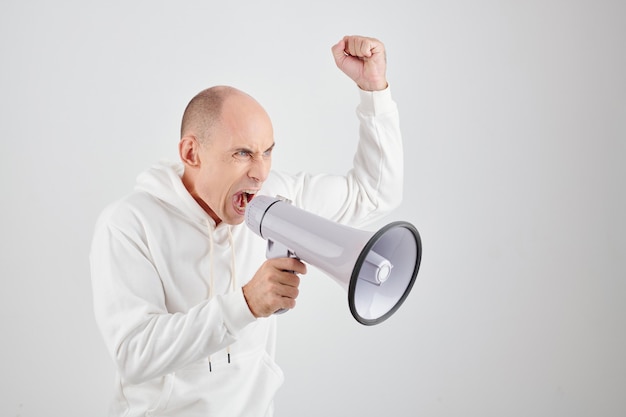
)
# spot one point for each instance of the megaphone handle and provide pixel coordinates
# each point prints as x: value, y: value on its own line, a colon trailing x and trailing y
x: 278, y: 250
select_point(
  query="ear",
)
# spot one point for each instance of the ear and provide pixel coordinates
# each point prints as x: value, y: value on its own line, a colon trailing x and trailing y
x: 188, y: 150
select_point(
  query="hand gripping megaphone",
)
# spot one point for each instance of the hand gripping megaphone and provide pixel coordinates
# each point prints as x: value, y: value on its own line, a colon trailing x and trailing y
x: 377, y: 269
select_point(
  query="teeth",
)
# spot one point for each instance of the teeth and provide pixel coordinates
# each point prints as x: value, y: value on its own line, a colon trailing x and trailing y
x: 246, y: 197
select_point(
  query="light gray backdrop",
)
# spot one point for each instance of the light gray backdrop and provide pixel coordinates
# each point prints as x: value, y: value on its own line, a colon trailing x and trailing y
x: 514, y: 120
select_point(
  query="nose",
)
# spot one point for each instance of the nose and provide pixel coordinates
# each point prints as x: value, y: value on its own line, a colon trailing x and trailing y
x: 259, y: 169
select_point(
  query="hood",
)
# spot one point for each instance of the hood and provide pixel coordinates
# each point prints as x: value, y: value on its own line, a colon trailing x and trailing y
x: 163, y: 182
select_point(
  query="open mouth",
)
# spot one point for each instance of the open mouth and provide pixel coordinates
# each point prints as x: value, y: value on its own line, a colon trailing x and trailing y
x: 242, y: 199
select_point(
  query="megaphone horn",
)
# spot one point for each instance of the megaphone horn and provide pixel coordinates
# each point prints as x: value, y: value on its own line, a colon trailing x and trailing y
x: 377, y: 269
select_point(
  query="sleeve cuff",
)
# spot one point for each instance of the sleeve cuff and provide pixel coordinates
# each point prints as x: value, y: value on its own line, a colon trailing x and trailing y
x: 237, y: 314
x: 376, y: 102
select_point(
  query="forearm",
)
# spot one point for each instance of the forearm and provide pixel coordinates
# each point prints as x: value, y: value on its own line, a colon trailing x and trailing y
x: 373, y: 186
x: 378, y: 166
x: 167, y: 342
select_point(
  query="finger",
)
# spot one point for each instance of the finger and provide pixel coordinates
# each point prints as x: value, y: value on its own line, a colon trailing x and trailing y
x: 286, y: 303
x: 290, y: 264
x: 338, y: 49
x: 363, y: 47
x: 288, y: 291
x: 359, y: 46
x: 297, y: 266
x: 284, y: 293
x: 289, y: 279
x: 377, y: 48
x: 350, y: 45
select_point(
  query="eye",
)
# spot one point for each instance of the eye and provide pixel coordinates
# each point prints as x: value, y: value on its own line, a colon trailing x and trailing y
x: 242, y: 154
x: 268, y: 152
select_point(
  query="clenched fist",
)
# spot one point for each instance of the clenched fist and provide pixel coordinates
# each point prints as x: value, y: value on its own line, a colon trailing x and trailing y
x: 274, y: 286
x: 363, y: 60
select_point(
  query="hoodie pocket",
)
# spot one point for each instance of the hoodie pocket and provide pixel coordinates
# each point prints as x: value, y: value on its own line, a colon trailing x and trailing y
x: 245, y: 387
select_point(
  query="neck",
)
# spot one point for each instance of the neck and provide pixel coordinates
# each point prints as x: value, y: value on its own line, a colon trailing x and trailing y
x: 190, y: 188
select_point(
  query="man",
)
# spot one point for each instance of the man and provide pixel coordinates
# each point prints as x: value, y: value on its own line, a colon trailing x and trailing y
x: 183, y: 294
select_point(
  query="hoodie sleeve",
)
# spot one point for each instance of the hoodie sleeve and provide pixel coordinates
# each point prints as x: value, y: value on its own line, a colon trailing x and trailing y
x: 143, y: 338
x: 374, y: 185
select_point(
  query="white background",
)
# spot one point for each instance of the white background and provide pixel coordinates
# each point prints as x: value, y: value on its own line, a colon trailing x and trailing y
x: 514, y: 122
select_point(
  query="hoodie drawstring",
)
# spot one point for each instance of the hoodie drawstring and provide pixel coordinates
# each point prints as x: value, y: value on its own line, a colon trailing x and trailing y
x: 233, y: 275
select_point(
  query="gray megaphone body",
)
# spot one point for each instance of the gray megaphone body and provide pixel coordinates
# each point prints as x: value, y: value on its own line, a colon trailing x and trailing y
x: 377, y: 269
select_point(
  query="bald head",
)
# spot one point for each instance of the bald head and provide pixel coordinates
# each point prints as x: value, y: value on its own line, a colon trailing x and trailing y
x: 226, y: 149
x: 204, y: 111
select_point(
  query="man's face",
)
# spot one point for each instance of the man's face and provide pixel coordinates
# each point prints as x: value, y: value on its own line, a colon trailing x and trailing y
x: 236, y: 160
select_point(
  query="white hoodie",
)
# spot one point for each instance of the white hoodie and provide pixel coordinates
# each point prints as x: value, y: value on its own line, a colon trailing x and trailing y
x: 167, y: 282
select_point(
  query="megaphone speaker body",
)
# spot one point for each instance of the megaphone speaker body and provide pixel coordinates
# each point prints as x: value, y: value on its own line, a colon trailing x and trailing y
x: 377, y: 269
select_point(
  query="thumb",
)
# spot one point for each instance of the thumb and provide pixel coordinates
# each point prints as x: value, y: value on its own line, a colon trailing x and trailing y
x: 338, y: 51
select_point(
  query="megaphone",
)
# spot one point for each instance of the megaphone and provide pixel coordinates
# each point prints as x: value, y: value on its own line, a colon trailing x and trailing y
x: 377, y: 269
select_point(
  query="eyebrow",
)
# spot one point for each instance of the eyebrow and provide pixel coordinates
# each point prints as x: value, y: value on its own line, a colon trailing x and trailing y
x: 250, y: 150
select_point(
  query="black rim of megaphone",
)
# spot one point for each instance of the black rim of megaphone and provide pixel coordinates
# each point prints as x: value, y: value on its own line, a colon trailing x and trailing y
x: 355, y: 272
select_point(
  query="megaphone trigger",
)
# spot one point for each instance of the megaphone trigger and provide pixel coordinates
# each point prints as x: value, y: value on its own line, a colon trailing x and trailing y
x: 278, y: 250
